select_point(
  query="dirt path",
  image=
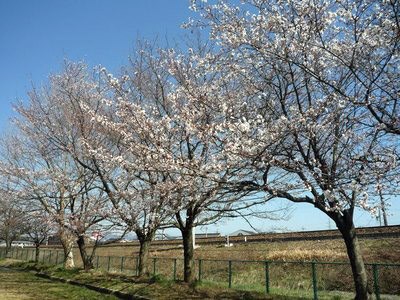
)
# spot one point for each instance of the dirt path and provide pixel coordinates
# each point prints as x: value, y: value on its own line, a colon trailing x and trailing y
x: 24, y: 285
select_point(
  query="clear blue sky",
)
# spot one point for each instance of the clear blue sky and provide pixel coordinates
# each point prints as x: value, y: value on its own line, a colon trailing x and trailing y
x: 36, y: 36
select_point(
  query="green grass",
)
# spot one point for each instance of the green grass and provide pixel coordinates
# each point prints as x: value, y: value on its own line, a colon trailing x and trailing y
x: 248, y: 282
x: 156, y: 287
x: 24, y: 285
x: 281, y: 293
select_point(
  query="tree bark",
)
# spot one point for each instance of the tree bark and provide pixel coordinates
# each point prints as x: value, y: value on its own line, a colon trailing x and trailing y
x: 383, y: 209
x: 86, y: 259
x: 143, y: 257
x: 346, y: 227
x: 188, y: 253
x: 145, y: 240
x: 67, y: 243
x: 37, y: 252
x: 8, y: 248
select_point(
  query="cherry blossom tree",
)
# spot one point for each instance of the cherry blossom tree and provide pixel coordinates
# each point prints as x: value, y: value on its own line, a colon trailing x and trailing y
x: 50, y: 182
x: 196, y: 159
x: 12, y: 219
x: 159, y: 160
x: 134, y: 200
x: 100, y: 185
x: 39, y: 228
x: 39, y: 161
x: 315, y: 96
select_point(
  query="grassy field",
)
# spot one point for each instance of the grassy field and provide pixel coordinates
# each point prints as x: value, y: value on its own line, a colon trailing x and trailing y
x: 248, y: 267
x: 24, y: 285
x: 158, y: 287
x: 374, y: 250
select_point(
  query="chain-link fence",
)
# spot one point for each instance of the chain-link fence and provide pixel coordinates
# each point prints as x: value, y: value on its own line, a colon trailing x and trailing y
x: 309, y: 279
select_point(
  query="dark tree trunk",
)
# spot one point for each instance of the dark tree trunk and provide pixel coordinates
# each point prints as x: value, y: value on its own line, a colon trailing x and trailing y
x: 346, y: 227
x: 145, y: 240
x: 8, y: 248
x: 37, y: 252
x: 86, y: 259
x: 188, y: 253
x: 143, y: 257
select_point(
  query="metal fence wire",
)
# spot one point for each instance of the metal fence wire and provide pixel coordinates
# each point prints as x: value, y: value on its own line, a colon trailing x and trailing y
x: 305, y: 278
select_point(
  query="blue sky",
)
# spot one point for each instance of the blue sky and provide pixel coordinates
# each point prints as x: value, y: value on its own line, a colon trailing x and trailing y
x: 36, y: 36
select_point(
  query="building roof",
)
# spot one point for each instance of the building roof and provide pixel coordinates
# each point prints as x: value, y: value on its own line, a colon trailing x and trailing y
x: 242, y: 232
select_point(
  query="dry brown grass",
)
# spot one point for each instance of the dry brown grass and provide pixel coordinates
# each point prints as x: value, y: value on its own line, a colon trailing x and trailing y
x: 374, y: 250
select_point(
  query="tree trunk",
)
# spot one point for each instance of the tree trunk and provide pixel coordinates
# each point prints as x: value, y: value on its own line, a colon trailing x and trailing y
x: 86, y: 259
x: 67, y: 243
x: 145, y: 240
x: 383, y: 208
x: 346, y: 227
x: 8, y: 248
x: 188, y: 253
x: 37, y: 252
x: 143, y: 257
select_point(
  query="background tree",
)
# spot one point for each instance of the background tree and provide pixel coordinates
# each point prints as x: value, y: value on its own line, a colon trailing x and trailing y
x: 39, y: 229
x: 12, y: 219
x: 40, y: 161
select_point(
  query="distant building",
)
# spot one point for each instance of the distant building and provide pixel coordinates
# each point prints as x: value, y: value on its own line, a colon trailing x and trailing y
x: 242, y: 232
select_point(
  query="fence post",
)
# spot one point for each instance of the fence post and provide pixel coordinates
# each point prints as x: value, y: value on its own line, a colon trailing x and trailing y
x: 154, y: 266
x: 27, y: 252
x: 376, y: 281
x: 174, y: 269
x: 266, y: 277
x: 44, y: 254
x: 97, y: 262
x: 230, y: 273
x: 50, y: 257
x: 122, y: 263
x: 199, y: 276
x: 56, y: 257
x: 314, y: 279
x: 108, y: 265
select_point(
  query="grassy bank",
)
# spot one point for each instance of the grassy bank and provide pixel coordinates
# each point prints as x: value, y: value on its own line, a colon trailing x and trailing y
x: 290, y: 270
x: 160, y: 287
x: 155, y: 287
x: 24, y: 285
